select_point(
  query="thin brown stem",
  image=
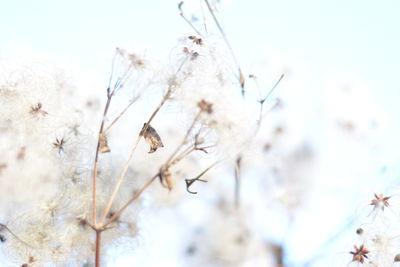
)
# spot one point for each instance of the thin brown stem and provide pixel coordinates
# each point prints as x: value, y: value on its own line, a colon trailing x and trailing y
x: 133, y: 198
x: 189, y: 182
x: 204, y: 18
x: 190, y: 24
x: 98, y: 248
x: 119, y: 116
x: 96, y: 159
x: 237, y: 180
x: 185, y: 139
x: 187, y: 21
x: 221, y: 30
x: 3, y: 226
x: 126, y: 165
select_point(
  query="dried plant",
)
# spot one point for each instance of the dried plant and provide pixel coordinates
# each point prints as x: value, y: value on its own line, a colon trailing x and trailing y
x: 89, y: 192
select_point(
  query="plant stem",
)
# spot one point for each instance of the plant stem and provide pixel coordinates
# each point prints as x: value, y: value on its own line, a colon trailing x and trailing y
x: 126, y: 165
x: 96, y: 159
x: 133, y: 198
x: 98, y: 248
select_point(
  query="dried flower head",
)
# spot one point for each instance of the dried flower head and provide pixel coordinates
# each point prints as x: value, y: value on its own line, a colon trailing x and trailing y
x: 192, y: 53
x: 37, y: 110
x: 380, y: 201
x: 134, y: 59
x: 359, y: 253
x: 196, y: 40
x: 205, y: 106
x: 59, y: 144
x: 151, y: 137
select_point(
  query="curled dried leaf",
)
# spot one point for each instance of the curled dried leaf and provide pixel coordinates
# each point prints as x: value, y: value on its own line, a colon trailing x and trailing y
x: 151, y: 137
x: 103, y: 144
x: 166, y: 178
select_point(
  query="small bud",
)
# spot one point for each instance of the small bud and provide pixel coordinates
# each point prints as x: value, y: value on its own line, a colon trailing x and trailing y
x: 2, y: 166
x: 205, y: 106
x: 196, y: 40
x: 21, y: 153
x: 397, y: 258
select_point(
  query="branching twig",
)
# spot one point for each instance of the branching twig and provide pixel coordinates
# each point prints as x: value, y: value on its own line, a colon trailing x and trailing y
x: 96, y: 159
x: 272, y: 89
x: 133, y: 198
x: 221, y: 30
x: 133, y: 149
x: 189, y: 182
x: 4, y: 227
x: 185, y: 139
x: 120, y: 115
x: 187, y: 21
x: 262, y: 100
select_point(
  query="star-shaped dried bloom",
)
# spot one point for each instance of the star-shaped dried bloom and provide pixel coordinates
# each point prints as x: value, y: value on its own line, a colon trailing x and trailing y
x: 37, y: 110
x: 360, y: 253
x: 380, y: 201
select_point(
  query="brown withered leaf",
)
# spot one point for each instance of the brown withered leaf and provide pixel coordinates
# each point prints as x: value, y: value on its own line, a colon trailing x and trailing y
x: 103, y: 144
x: 152, y: 138
x: 166, y: 179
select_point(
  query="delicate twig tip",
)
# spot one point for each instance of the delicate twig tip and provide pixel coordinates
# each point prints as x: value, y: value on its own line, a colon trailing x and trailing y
x: 189, y: 182
x: 180, y: 4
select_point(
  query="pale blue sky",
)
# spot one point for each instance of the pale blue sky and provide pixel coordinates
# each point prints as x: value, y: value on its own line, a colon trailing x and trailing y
x: 360, y: 36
